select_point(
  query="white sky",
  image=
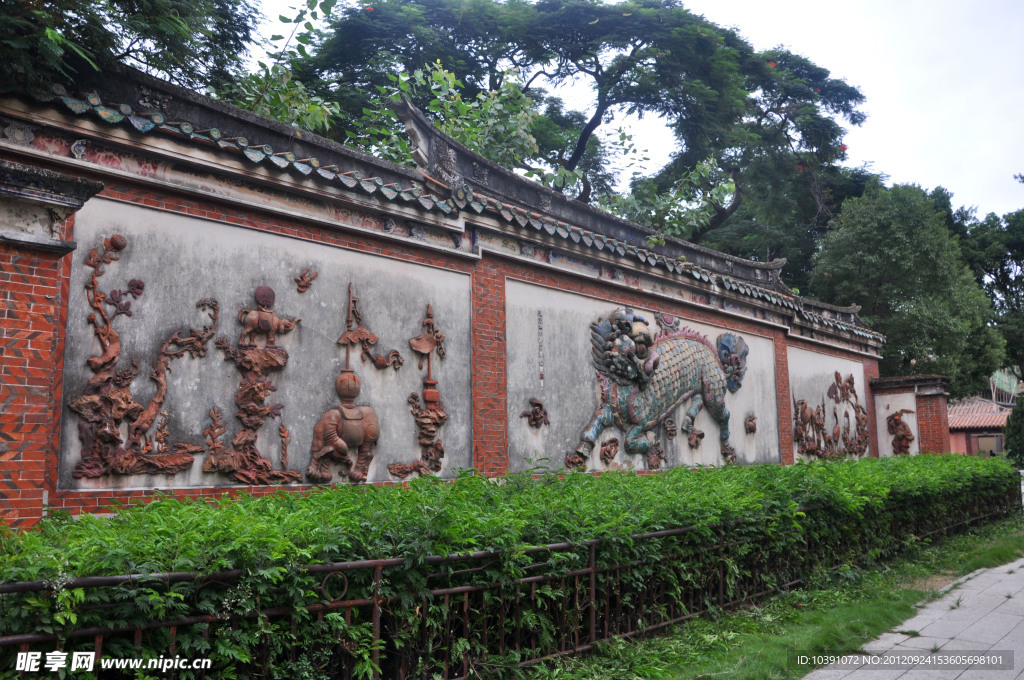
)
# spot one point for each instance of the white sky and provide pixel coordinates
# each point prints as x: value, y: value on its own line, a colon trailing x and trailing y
x: 943, y: 81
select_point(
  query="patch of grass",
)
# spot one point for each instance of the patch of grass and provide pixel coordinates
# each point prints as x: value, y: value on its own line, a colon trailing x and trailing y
x: 999, y: 552
x: 837, y: 613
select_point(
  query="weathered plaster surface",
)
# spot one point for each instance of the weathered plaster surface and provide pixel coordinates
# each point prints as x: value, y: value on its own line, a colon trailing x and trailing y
x: 810, y: 376
x: 571, y: 393
x: 182, y: 260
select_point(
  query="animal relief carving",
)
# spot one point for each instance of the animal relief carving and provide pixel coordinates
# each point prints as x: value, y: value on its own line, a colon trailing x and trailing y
x: 811, y: 433
x: 645, y: 377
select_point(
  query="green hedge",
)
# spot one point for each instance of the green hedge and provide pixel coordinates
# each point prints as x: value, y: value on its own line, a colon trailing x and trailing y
x: 790, y: 521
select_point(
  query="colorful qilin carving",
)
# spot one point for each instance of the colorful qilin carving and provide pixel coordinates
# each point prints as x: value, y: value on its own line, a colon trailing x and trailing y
x: 645, y: 377
x: 811, y: 433
x: 243, y: 462
x: 901, y: 432
x: 430, y: 416
x: 112, y: 426
x: 348, y: 433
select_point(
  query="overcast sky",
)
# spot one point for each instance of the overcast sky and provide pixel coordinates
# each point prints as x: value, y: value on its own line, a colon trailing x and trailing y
x: 944, y: 82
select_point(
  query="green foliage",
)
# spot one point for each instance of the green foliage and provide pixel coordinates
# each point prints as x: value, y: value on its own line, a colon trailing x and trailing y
x: 797, y: 519
x: 835, y: 613
x: 754, y: 113
x: 686, y: 208
x: 494, y: 123
x: 995, y: 251
x: 272, y: 90
x: 1013, y: 434
x: 891, y: 251
x: 195, y: 44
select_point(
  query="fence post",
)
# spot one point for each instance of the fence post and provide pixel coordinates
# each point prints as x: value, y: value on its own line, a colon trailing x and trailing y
x: 375, y: 654
x: 593, y: 592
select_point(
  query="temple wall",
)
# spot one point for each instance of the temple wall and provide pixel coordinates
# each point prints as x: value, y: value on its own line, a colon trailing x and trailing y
x: 182, y: 330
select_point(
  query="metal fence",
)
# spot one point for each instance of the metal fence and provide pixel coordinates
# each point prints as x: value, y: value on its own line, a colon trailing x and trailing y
x: 475, y: 613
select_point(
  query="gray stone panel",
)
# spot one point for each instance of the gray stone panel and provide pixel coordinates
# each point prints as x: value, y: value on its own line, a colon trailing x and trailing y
x: 571, y: 394
x: 182, y: 260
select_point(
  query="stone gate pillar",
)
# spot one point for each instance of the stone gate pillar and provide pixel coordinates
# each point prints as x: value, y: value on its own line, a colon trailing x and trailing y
x: 35, y: 231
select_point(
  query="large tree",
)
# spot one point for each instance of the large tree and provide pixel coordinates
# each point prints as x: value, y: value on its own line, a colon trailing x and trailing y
x: 767, y: 119
x: 891, y: 252
x: 196, y: 43
x: 993, y: 248
x: 996, y: 248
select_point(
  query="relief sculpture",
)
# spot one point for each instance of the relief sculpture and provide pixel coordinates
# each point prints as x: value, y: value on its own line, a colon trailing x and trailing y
x: 645, y: 377
x: 902, y: 434
x: 357, y: 334
x: 812, y: 434
x: 348, y: 433
x: 243, y: 462
x: 537, y: 415
x: 430, y: 416
x: 112, y: 426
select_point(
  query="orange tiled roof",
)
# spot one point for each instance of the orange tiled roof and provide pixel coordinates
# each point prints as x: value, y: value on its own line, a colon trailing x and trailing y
x: 977, y: 414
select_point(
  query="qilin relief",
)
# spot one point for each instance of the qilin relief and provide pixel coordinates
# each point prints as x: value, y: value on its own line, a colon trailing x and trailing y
x: 429, y: 415
x: 645, y: 378
x: 846, y: 437
x: 112, y: 426
x: 347, y: 434
x: 243, y: 462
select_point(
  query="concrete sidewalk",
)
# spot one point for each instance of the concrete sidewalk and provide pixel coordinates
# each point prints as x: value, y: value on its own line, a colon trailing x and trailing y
x: 980, y: 613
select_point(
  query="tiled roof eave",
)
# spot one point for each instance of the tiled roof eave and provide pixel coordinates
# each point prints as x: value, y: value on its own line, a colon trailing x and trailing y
x: 262, y: 155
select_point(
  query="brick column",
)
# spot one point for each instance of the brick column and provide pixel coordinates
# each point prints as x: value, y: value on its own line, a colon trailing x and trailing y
x: 933, y: 422
x: 784, y: 399
x: 490, y: 389
x: 36, y: 208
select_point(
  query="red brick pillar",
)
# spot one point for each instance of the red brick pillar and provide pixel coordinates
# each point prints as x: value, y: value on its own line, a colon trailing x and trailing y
x: 933, y: 422
x: 35, y: 227
x: 490, y: 392
x: 784, y: 400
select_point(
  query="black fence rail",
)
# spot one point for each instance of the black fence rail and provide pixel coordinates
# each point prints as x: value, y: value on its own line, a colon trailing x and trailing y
x: 455, y: 616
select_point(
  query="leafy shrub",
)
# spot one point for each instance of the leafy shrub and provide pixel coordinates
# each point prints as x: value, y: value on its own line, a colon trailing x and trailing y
x: 780, y: 524
x: 1013, y: 434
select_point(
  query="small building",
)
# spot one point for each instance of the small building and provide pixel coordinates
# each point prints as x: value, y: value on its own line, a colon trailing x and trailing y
x: 976, y: 426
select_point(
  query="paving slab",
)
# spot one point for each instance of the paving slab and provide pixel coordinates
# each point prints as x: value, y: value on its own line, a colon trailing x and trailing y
x: 974, y: 615
x: 990, y: 629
